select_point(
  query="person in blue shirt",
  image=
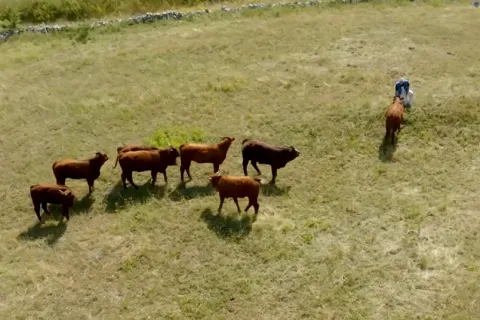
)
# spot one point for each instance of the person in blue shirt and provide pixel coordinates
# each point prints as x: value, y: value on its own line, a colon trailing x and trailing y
x: 402, y: 89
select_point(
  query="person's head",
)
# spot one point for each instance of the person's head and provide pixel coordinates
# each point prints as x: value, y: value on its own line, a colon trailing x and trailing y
x: 401, y: 81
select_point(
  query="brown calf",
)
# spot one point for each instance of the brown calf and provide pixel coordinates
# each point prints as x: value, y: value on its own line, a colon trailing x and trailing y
x: 88, y: 169
x: 42, y: 194
x: 131, y: 147
x: 146, y: 160
x: 237, y: 187
x: 203, y: 153
x: 394, y: 117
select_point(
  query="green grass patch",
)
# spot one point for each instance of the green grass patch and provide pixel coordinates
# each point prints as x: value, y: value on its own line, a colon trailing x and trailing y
x: 175, y: 136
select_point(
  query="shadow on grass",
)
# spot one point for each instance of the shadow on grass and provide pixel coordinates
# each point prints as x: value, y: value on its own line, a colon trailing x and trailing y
x: 80, y: 206
x: 225, y: 226
x: 273, y: 190
x: 387, y: 149
x: 184, y: 192
x: 118, y: 196
x: 52, y: 233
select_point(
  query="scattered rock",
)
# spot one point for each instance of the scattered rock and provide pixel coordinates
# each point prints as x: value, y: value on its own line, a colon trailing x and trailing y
x: 411, y: 48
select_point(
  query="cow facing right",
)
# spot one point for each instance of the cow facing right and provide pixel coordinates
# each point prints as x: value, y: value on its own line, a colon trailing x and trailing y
x: 154, y: 161
x: 88, y: 169
x: 203, y: 153
x: 258, y: 151
x: 131, y: 147
x: 42, y: 194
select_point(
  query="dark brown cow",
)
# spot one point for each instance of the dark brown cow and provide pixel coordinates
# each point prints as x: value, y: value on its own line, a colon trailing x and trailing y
x: 260, y: 152
x: 42, y: 194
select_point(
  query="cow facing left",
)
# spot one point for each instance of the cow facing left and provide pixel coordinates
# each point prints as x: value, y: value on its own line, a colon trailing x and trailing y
x: 42, y: 194
x: 88, y: 169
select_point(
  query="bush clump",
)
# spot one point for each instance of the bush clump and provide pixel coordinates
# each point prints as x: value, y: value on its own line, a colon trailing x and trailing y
x: 175, y: 136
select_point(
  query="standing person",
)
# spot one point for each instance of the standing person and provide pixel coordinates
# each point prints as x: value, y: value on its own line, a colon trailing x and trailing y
x: 402, y: 89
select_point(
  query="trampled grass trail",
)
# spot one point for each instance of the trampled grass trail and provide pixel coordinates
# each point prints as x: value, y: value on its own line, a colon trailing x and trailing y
x: 348, y: 233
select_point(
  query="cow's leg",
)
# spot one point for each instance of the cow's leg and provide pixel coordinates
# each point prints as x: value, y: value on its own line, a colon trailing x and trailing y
x: 185, y: 166
x: 124, y: 178
x: 245, y: 164
x: 254, y: 164
x: 274, y: 175
x: 65, y: 212
x: 216, y: 167
x: 236, y: 202
x: 165, y: 176
x: 130, y: 179
x: 256, y: 206
x: 248, y: 205
x: 44, y: 206
x: 36, y: 207
x: 90, y: 182
x: 222, y: 198
x: 154, y: 177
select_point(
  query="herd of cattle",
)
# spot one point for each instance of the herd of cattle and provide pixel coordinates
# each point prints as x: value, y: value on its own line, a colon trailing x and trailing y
x: 138, y: 158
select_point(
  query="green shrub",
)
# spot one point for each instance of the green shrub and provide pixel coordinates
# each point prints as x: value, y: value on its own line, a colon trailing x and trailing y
x: 9, y: 17
x: 175, y: 136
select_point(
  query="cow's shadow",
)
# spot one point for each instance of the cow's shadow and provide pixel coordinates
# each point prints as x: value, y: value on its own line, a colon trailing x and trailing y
x: 226, y: 226
x: 269, y: 190
x: 52, y: 233
x: 182, y: 191
x: 81, y: 206
x: 118, y: 196
x: 386, y: 149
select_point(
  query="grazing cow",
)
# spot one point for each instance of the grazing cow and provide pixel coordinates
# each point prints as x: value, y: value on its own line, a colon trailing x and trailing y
x: 42, y: 194
x: 131, y: 147
x: 394, y: 117
x: 237, y: 187
x: 203, y: 153
x: 260, y: 152
x: 88, y: 169
x: 146, y: 160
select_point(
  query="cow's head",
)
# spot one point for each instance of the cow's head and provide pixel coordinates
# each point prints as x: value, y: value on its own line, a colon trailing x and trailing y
x: 68, y: 196
x: 101, y: 157
x: 215, y: 178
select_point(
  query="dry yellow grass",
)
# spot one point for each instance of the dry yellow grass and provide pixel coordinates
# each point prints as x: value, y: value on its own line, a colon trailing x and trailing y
x: 348, y: 234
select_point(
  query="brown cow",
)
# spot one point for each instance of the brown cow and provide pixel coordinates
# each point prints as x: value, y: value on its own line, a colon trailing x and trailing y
x: 131, y: 147
x: 42, y: 194
x: 88, y: 169
x: 146, y: 160
x: 237, y: 187
x: 203, y: 153
x: 394, y: 117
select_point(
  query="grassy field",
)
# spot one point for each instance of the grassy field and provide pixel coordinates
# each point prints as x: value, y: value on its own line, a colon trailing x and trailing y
x: 348, y: 233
